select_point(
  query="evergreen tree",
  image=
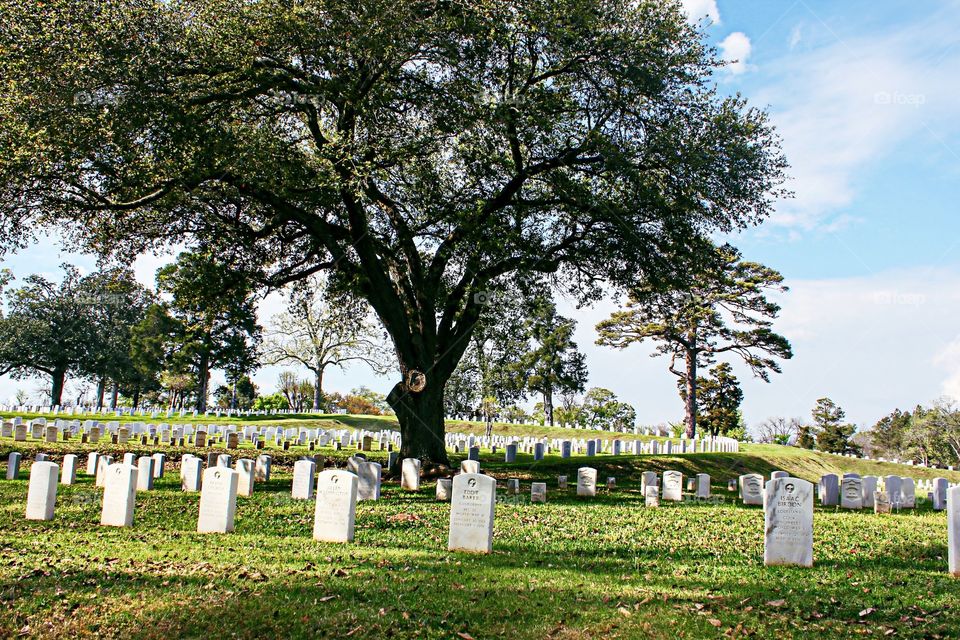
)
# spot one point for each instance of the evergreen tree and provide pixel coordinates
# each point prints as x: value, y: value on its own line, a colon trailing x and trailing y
x: 833, y: 435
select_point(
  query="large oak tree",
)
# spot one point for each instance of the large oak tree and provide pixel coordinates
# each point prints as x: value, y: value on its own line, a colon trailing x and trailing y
x: 426, y: 151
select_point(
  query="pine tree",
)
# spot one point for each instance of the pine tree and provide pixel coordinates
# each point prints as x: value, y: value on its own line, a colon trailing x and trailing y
x: 833, y: 436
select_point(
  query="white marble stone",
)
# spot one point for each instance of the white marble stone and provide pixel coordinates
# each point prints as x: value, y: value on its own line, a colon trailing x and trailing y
x: 703, y: 485
x: 13, y: 465
x: 868, y: 486
x: 881, y: 502
x: 892, y: 487
x: 264, y: 464
x: 788, y: 520
x: 444, y: 489
x: 190, y: 469
x: 119, y: 495
x: 159, y: 462
x: 829, y: 490
x: 145, y: 473
x: 586, y: 481
x: 471, y: 513
x: 68, y: 473
x: 953, y: 531
x: 304, y: 472
x: 410, y: 474
x: 42, y: 491
x: 851, y: 493
x: 751, y: 489
x: 470, y: 466
x: 368, y: 480
x: 673, y: 486
x: 245, y: 477
x: 940, y: 488
x: 908, y: 493
x: 648, y: 479
x: 218, y: 500
x: 538, y: 492
x: 336, y: 510
x: 651, y: 497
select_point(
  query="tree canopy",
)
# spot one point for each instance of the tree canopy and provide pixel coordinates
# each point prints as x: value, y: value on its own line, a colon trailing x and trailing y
x: 426, y: 151
x: 722, y: 309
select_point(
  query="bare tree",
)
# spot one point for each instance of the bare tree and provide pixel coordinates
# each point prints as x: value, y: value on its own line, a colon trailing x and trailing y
x: 322, y: 328
x: 778, y: 430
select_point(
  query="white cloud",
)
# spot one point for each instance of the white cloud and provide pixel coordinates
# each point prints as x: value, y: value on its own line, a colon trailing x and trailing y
x: 697, y: 10
x: 735, y: 50
x: 845, y: 106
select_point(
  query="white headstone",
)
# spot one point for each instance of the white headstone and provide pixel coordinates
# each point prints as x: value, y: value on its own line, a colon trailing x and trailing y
x: 145, y: 473
x: 586, y: 481
x: 751, y: 488
x: 303, y: 479
x: 190, y: 469
x: 42, y: 491
x: 940, y: 488
x: 953, y: 531
x: 410, y: 474
x: 703, y: 485
x: 851, y: 493
x: 470, y: 466
x: 262, y: 472
x: 68, y: 474
x: 159, y: 462
x: 245, y: 477
x: 218, y: 500
x: 908, y: 493
x: 471, y: 513
x: 368, y: 480
x: 336, y: 509
x: 788, y: 519
x: 538, y: 492
x: 13, y: 465
x: 652, y: 496
x: 868, y: 486
x: 444, y: 489
x: 119, y: 495
x: 673, y: 486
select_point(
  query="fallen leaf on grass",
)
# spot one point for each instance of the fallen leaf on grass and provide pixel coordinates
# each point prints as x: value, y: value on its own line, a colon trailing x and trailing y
x: 776, y: 603
x: 867, y: 611
x: 714, y: 622
x: 464, y: 635
x: 625, y: 612
x: 327, y: 598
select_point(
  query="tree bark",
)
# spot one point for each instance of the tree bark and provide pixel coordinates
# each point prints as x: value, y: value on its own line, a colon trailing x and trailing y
x: 548, y: 405
x: 101, y: 392
x: 421, y: 422
x: 136, y: 397
x: 203, y: 380
x: 114, y: 396
x: 690, y: 404
x: 56, y: 390
x: 318, y: 389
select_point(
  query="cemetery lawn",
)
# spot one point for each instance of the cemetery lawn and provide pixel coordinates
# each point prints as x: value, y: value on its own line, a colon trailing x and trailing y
x: 572, y: 568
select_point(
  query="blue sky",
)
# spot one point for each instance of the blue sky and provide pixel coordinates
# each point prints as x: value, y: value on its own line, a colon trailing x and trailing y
x: 866, y: 99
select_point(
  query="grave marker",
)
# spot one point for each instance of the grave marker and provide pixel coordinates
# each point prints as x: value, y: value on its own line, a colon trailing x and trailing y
x: 471, y: 513
x: 788, y: 519
x: 245, y: 477
x: 587, y: 481
x: 218, y: 501
x: 335, y: 513
x: 303, y: 479
x: 119, y: 495
x: 42, y: 491
x: 751, y: 489
x: 68, y: 475
x: 368, y: 480
x: 410, y: 474
x: 673, y: 486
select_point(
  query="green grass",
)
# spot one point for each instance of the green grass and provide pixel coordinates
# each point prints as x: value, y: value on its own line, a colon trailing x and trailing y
x: 573, y: 568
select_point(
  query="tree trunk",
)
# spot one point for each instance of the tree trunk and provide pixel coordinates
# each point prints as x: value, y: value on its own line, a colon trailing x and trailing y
x: 101, y: 392
x: 114, y: 396
x: 690, y: 404
x: 548, y: 404
x: 317, y: 390
x: 203, y: 380
x: 56, y: 390
x: 421, y: 422
x: 136, y: 397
